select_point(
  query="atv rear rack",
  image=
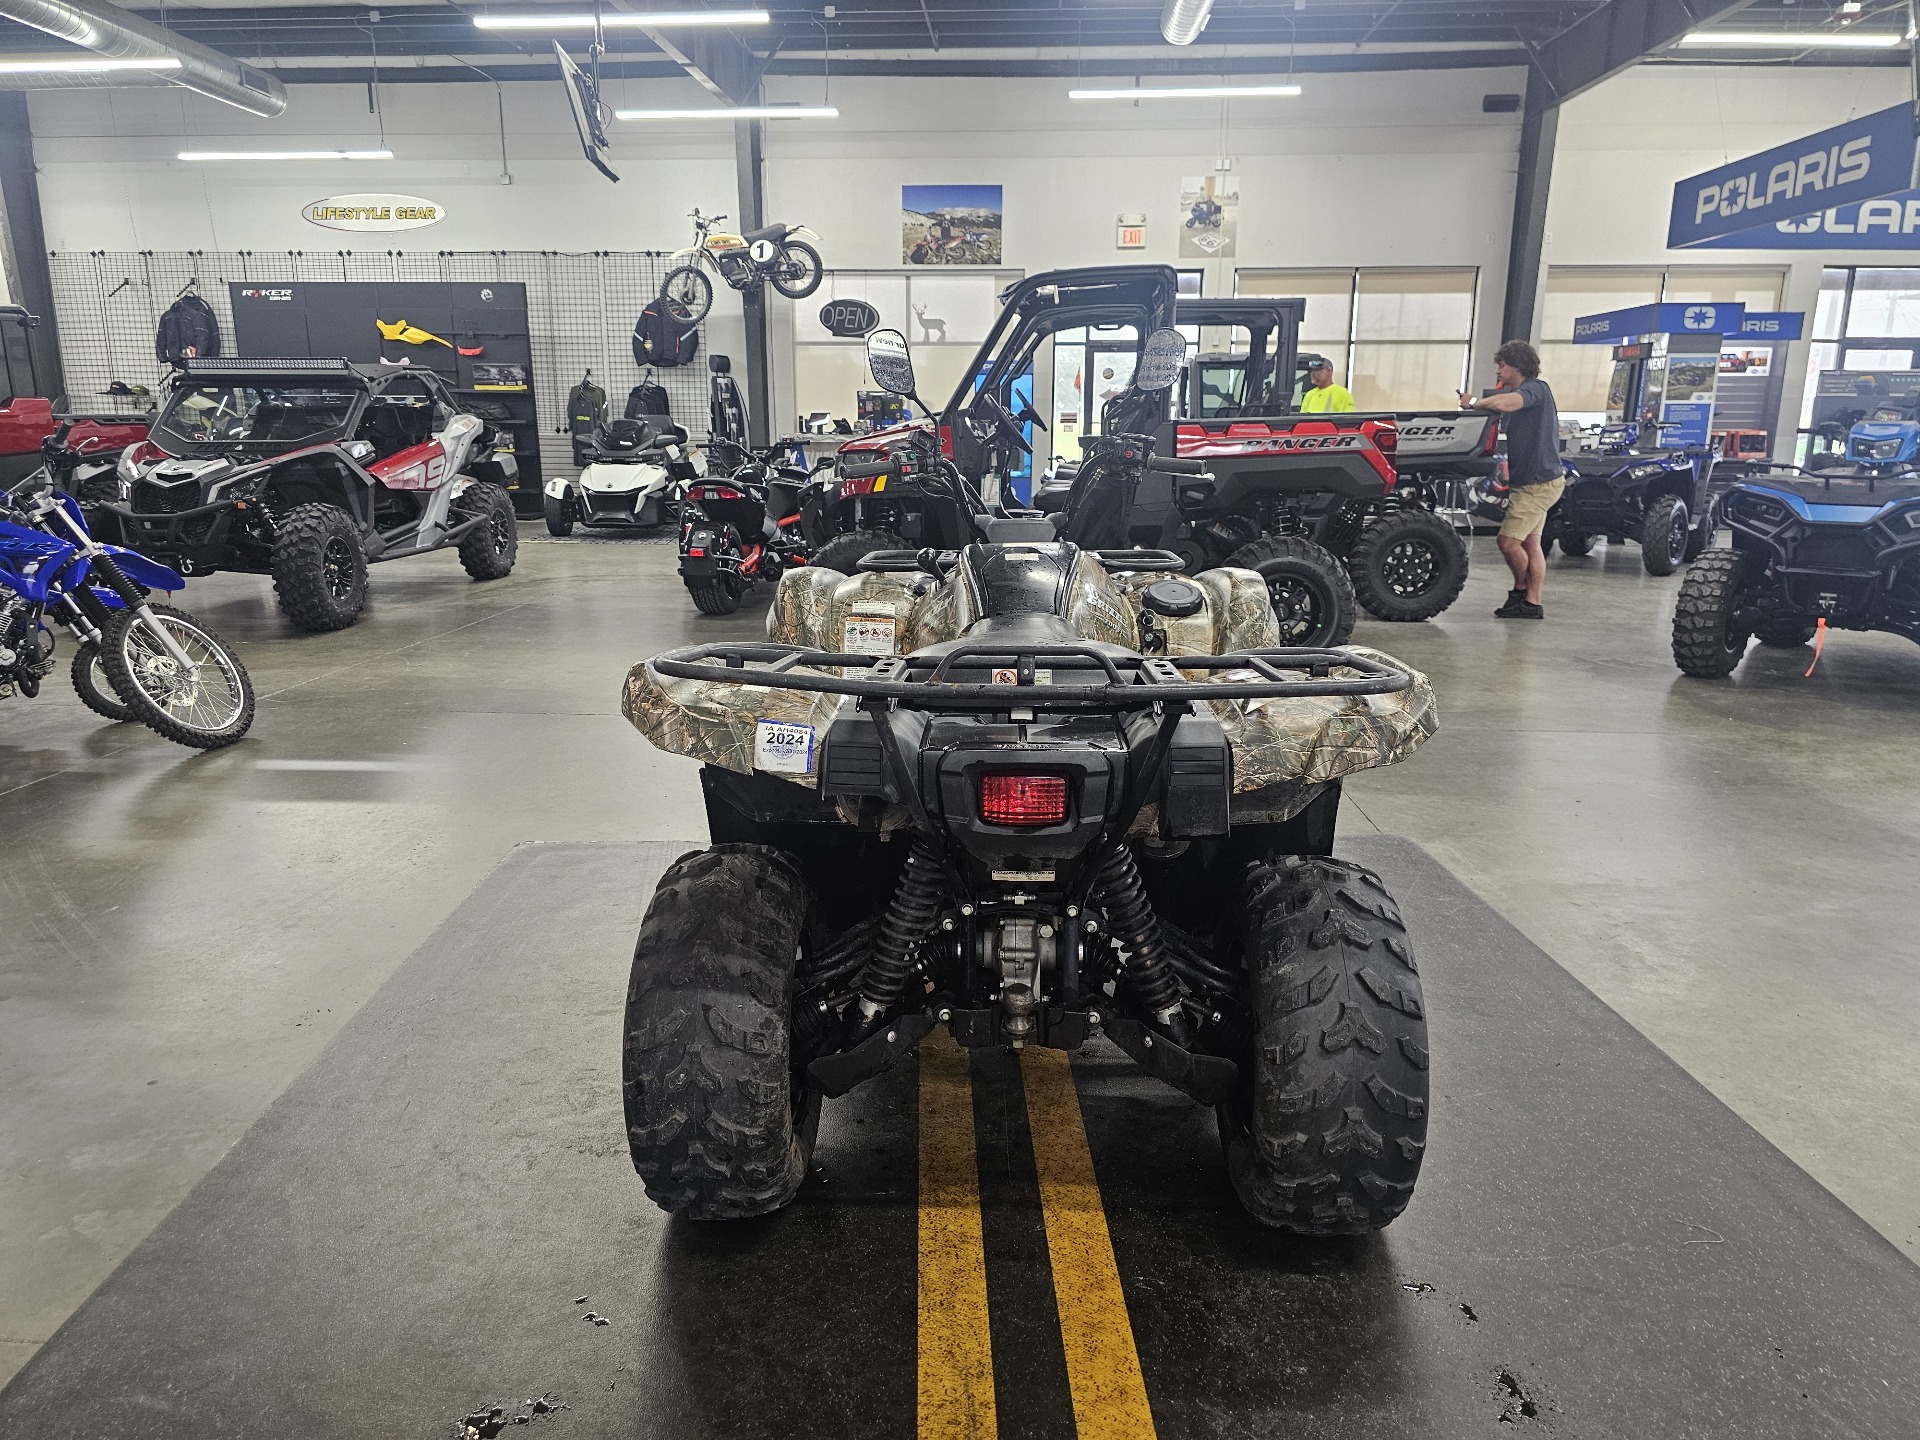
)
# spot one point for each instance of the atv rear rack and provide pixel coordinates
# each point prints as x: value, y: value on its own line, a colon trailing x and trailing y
x: 1124, y: 681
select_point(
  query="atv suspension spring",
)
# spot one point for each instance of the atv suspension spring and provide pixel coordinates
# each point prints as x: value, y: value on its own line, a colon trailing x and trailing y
x: 1131, y: 921
x: 909, y: 920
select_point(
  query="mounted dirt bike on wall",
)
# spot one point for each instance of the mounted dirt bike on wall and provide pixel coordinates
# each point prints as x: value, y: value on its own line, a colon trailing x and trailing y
x: 773, y: 255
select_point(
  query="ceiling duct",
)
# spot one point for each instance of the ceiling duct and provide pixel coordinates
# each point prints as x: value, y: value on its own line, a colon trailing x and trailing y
x: 113, y: 33
x: 1183, y: 20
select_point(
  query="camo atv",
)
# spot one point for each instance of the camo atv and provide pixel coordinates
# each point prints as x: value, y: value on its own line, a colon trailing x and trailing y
x: 1035, y: 794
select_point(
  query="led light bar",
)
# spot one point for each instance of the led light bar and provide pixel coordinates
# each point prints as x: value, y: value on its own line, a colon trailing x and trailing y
x: 1788, y: 40
x: 286, y: 155
x: 1185, y: 92
x: 621, y: 20
x: 85, y: 65
x: 740, y: 112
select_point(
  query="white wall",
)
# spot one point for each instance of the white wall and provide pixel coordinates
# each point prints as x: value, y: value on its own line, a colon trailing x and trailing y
x: 1371, y: 169
x: 1624, y: 144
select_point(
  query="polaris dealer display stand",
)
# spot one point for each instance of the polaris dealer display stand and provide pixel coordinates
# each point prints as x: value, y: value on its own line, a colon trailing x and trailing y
x: 1650, y: 476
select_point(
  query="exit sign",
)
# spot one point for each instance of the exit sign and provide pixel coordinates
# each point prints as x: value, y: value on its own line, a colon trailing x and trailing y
x: 1132, y: 234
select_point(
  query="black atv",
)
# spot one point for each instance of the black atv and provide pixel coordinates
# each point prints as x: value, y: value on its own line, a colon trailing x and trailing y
x: 1033, y: 829
x: 310, y: 470
x: 740, y: 525
x: 1657, y: 495
x: 1809, y: 550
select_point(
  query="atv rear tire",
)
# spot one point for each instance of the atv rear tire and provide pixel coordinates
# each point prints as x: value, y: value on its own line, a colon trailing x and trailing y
x: 1573, y: 543
x: 488, y: 550
x: 559, y: 516
x: 845, y: 552
x: 1328, y: 1130
x: 1408, y: 566
x: 1664, y: 535
x: 720, y: 1123
x: 1706, y: 640
x: 1311, y: 592
x: 96, y: 692
x: 320, y: 568
x: 715, y: 596
x: 1780, y: 634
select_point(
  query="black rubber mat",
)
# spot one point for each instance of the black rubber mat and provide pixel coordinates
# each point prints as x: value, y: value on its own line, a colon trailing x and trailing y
x: 1597, y: 1248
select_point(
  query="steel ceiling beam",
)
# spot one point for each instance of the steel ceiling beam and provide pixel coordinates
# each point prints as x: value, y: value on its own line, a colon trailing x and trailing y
x: 1619, y: 36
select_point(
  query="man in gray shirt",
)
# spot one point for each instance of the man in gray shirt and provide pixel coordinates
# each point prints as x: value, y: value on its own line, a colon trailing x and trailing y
x: 1534, y: 474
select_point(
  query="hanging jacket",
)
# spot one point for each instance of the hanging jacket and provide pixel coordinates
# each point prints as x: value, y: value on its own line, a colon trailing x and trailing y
x: 647, y: 398
x: 188, y: 331
x: 660, y: 340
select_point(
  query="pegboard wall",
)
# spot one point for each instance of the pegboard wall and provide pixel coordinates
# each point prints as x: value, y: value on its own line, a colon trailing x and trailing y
x: 580, y: 312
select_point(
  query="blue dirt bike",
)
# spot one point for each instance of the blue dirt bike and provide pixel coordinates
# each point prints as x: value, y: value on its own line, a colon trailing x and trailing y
x: 134, y: 660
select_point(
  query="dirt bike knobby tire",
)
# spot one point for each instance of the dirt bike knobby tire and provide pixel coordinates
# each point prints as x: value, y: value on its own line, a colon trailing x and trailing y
x: 96, y: 692
x: 708, y: 1083
x: 1328, y: 1131
x: 113, y: 659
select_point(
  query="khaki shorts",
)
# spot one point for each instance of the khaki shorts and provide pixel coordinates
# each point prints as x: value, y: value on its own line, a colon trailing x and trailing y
x: 1527, y: 507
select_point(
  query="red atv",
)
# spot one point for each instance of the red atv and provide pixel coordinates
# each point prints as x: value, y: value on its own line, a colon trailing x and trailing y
x: 27, y: 418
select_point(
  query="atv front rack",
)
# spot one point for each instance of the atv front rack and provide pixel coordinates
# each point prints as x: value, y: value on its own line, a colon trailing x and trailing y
x: 1104, y: 678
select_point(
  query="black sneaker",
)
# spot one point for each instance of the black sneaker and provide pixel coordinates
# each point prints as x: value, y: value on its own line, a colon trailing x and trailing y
x: 1520, y: 609
x: 1514, y: 598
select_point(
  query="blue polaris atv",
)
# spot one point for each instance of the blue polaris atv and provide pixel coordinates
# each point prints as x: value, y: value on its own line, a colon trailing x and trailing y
x: 1808, y: 547
x: 1658, y: 495
x: 1885, y: 442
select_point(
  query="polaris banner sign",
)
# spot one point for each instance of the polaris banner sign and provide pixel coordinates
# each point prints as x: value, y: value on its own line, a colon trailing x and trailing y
x: 1889, y: 223
x: 1610, y: 327
x: 1863, y: 159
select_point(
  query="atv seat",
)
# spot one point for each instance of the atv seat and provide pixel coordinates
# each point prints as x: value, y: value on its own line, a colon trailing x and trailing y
x: 1050, y: 500
x: 776, y: 233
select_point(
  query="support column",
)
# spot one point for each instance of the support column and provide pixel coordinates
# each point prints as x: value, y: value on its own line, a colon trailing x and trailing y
x: 749, y: 165
x: 29, y: 281
x: 1540, y: 124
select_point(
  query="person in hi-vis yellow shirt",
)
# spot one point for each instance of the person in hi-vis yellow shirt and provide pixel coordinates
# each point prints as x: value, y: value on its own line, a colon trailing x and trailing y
x: 1322, y: 394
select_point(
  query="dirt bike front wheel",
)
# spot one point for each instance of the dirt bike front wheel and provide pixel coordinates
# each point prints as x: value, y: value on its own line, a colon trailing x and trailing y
x: 797, y: 271
x: 206, y: 703
x: 687, y: 294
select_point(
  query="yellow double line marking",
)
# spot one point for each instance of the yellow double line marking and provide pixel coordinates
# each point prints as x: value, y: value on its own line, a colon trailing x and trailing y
x: 956, y: 1348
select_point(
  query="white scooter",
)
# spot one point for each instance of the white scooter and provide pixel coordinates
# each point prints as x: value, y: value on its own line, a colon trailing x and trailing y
x: 630, y: 468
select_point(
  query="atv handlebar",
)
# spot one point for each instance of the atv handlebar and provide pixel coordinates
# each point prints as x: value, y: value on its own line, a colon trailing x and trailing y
x: 1116, y: 681
x: 1173, y: 465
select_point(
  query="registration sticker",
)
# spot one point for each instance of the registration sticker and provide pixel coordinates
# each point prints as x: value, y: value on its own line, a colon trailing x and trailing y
x: 780, y: 748
x: 870, y: 630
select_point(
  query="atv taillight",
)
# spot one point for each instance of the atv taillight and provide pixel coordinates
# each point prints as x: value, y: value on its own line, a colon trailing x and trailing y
x: 1010, y: 798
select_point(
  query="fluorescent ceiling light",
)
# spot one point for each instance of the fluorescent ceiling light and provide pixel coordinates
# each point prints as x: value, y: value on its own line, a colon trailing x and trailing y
x: 1788, y: 40
x: 1184, y: 92
x: 740, y: 112
x: 286, y: 154
x: 87, y: 65
x: 621, y: 20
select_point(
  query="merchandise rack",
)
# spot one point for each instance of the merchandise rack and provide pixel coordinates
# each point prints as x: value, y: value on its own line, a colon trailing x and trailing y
x: 580, y: 313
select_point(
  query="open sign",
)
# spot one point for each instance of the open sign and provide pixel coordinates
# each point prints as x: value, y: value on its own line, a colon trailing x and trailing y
x: 849, y: 319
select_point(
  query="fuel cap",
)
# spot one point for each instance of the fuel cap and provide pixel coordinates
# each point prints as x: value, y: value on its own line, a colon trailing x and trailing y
x: 1176, y: 599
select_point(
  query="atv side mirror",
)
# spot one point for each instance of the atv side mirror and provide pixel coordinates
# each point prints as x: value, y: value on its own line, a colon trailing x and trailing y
x: 891, y: 362
x: 1161, y: 359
